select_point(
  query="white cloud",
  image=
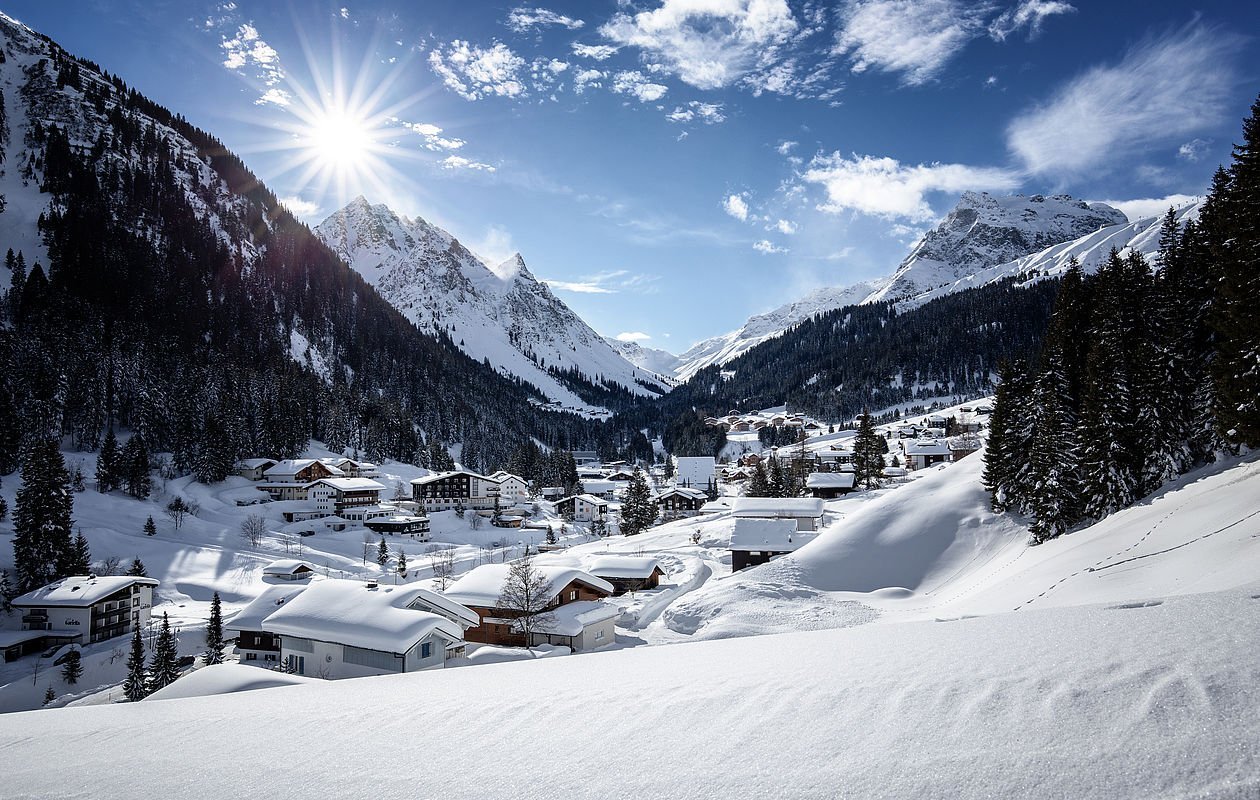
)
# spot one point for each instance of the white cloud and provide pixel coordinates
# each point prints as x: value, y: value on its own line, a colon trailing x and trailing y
x: 1193, y: 150
x: 708, y: 44
x: 1162, y: 90
x: 885, y: 187
x: 345, y: 12
x: 610, y: 282
x: 708, y: 113
x: 767, y: 247
x: 300, y: 207
x: 495, y: 247
x: 1152, y: 206
x: 632, y: 336
x: 785, y: 227
x: 736, y: 207
x: 635, y: 83
x: 274, y: 96
x: 475, y: 72
x: 432, y: 135
x: 247, y: 52
x: 915, y: 38
x: 588, y: 79
x: 521, y: 19
x: 459, y: 162
x: 581, y: 287
x: 596, y: 52
x: 1029, y: 13
x: 785, y: 147
x: 991, y: 81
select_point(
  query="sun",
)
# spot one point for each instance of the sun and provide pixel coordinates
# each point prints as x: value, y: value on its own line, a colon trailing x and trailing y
x: 339, y: 140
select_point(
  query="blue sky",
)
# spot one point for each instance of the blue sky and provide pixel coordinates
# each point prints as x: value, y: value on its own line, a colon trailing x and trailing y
x: 674, y: 166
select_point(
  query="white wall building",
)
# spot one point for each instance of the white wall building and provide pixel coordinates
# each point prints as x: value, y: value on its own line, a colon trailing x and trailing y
x: 512, y: 488
x: 95, y: 608
x: 696, y: 472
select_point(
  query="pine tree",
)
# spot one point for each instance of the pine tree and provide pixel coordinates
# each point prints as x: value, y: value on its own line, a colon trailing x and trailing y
x: 382, y: 553
x: 868, y: 459
x: 72, y: 667
x: 214, y: 632
x: 49, y: 695
x: 42, y: 518
x: 107, y: 464
x: 137, y: 570
x: 778, y: 482
x: 135, y: 466
x: 638, y: 510
x: 80, y: 560
x: 1054, y: 457
x: 135, y: 687
x: 150, y: 527
x: 165, y: 667
x: 402, y: 563
x: 758, y: 483
x: 1010, y: 440
x: 7, y: 592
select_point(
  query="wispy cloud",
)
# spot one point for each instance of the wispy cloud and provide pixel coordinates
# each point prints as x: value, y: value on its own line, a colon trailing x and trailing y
x: 632, y: 336
x: 785, y: 147
x: 885, y: 187
x: 708, y: 45
x: 1030, y: 14
x: 768, y: 247
x: 1193, y: 150
x: 595, y: 52
x: 247, y: 53
x: 785, y: 227
x: 474, y: 72
x: 1162, y: 90
x: 522, y: 19
x: 914, y: 38
x: 1152, y: 206
x: 736, y: 206
x: 587, y: 79
x: 300, y: 208
x: 635, y: 83
x: 431, y: 135
x: 610, y: 282
x: 708, y: 113
x: 461, y: 163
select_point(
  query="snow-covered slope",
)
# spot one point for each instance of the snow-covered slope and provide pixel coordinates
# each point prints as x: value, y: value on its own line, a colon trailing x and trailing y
x: 982, y: 231
x: 660, y: 362
x: 721, y: 349
x: 501, y: 313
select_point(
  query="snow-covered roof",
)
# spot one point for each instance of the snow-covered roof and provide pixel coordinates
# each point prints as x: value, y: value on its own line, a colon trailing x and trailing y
x: 250, y: 618
x: 769, y: 535
x: 79, y: 590
x: 923, y: 447
x: 483, y: 585
x: 436, y: 476
x: 685, y: 491
x: 288, y: 566
x: 351, y: 484
x: 622, y: 566
x: 293, y: 466
x: 503, y: 475
x: 778, y: 507
x: 715, y: 506
x: 595, y: 487
x: 830, y: 480
x: 586, y: 498
x: 254, y: 463
x: 360, y: 615
x: 441, y: 604
x: 694, y: 462
x: 571, y: 619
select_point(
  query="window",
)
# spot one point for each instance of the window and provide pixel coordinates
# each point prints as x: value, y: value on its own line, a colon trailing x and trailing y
x: 426, y: 649
x: 251, y: 656
x: 599, y: 636
x: 573, y: 594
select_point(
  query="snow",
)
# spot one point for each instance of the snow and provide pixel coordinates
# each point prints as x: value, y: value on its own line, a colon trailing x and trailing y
x: 80, y: 590
x: 1087, y: 702
x: 250, y: 618
x: 778, y: 507
x: 830, y: 480
x: 570, y: 619
x: 287, y: 566
x: 483, y: 585
x: 622, y: 566
x: 221, y: 679
x: 768, y: 535
x: 360, y: 615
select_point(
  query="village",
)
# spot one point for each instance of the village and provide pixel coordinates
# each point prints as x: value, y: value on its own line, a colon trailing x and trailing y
x: 457, y: 568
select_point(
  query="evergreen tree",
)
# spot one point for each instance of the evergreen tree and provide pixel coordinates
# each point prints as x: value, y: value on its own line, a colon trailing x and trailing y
x: 214, y: 632
x: 135, y: 466
x: 80, y: 560
x: 777, y: 483
x: 638, y: 510
x: 868, y: 459
x: 150, y: 527
x: 49, y: 695
x: 4, y: 506
x: 402, y: 563
x: 42, y: 518
x: 1010, y: 439
x: 135, y: 687
x: 1054, y: 458
x: 382, y: 553
x: 137, y: 570
x: 758, y: 483
x: 165, y: 667
x: 7, y: 592
x: 72, y: 667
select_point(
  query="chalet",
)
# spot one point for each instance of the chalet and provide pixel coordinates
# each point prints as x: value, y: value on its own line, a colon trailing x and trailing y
x: 403, y: 524
x: 582, y: 507
x: 711, y: 421
x: 446, y: 490
x: 353, y: 469
x: 680, y: 502
x: 741, y: 427
x: 254, y: 468
x: 288, y: 480
x: 962, y: 446
x: 580, y: 620
x: 696, y: 472
x: 750, y: 459
x: 830, y: 484
x: 289, y: 569
x: 255, y: 646
x: 336, y: 495
x: 512, y: 488
x: 551, y: 493
x: 347, y: 629
x: 581, y: 457
x: 599, y: 488
x: 620, y: 476
x: 924, y: 453
x: 87, y: 608
x: 805, y: 512
x: 627, y: 573
x: 756, y: 541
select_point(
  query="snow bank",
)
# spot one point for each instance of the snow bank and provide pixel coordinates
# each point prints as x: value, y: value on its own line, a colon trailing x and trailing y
x: 226, y: 679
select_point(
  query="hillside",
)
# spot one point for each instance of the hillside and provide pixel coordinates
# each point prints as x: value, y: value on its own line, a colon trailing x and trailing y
x: 500, y: 313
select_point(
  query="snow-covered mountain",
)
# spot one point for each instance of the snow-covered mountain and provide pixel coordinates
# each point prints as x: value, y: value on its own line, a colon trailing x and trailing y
x: 501, y: 313
x: 661, y: 362
x: 982, y: 231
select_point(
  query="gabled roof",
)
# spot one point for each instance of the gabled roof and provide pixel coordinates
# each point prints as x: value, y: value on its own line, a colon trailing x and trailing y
x: 622, y: 566
x: 350, y: 484
x: 586, y: 498
x: 250, y: 618
x: 503, y: 475
x: 773, y: 507
x: 483, y: 585
x: 293, y: 466
x: 79, y: 590
x: 360, y: 615
x: 925, y: 448
x: 288, y: 566
x: 437, y: 476
x: 684, y: 491
x: 830, y: 480
x: 571, y: 619
x: 768, y: 535
x: 255, y: 463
